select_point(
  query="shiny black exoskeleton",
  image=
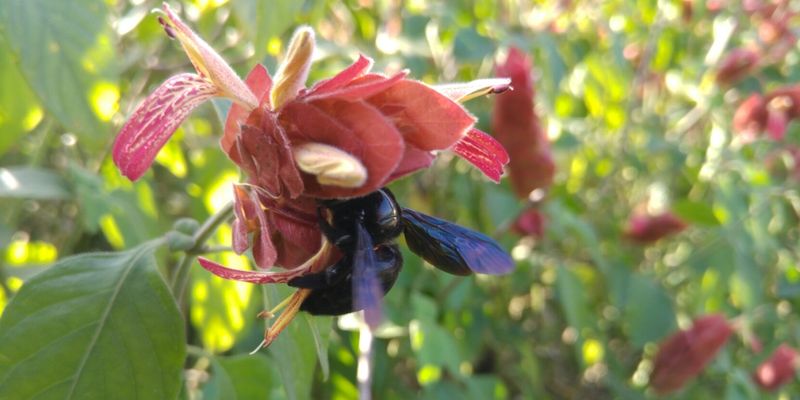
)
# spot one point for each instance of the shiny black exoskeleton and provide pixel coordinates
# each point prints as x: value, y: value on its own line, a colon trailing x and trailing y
x: 365, y: 228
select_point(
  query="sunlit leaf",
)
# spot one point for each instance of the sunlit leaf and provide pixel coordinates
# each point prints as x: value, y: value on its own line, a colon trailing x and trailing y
x: 32, y: 183
x: 19, y: 110
x: 66, y: 54
x: 67, y: 326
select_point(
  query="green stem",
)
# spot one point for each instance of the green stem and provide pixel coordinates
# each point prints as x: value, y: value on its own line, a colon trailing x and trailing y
x: 180, y: 279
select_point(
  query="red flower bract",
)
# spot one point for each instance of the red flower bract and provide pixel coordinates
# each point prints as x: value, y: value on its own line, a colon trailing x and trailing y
x: 683, y: 355
x: 645, y: 228
x: 770, y: 113
x: 390, y: 124
x: 778, y: 370
x: 517, y: 127
x: 737, y: 65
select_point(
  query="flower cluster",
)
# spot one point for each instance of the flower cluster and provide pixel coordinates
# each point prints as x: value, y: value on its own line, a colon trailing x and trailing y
x: 776, y: 39
x: 343, y: 137
x: 770, y: 113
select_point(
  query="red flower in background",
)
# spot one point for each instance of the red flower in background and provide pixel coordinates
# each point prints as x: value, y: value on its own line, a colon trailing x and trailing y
x: 778, y: 370
x: 517, y: 127
x: 750, y: 117
x: 736, y: 65
x: 646, y: 228
x: 771, y: 113
x: 530, y: 222
x: 685, y: 354
x: 343, y: 137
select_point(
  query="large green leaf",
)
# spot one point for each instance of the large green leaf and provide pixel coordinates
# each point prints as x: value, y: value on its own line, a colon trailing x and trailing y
x: 93, y: 326
x: 66, y: 53
x: 32, y: 183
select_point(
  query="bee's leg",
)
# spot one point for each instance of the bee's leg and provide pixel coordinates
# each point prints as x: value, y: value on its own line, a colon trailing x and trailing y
x: 325, y: 278
x: 336, y: 236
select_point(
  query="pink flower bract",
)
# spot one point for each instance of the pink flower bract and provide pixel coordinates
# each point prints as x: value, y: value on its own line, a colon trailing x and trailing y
x: 778, y: 370
x: 645, y: 228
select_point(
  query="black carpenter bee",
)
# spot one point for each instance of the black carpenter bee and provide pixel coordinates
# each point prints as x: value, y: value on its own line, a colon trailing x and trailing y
x: 365, y: 229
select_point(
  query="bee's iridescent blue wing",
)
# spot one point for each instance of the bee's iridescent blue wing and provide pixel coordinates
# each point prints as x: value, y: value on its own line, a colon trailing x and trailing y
x: 367, y: 292
x: 454, y: 248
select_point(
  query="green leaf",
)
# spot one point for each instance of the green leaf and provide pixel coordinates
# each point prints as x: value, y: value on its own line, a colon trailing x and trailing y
x: 648, y: 310
x: 219, y: 386
x: 696, y: 212
x: 91, y: 196
x: 264, y: 20
x: 572, y: 294
x: 252, y: 376
x: 32, y: 183
x: 293, y: 351
x: 66, y: 52
x: 471, y: 46
x: 434, y: 346
x: 93, y: 326
x: 321, y: 328
x: 19, y: 111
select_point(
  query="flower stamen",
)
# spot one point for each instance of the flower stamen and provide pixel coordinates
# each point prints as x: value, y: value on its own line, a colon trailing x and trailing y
x: 292, y: 305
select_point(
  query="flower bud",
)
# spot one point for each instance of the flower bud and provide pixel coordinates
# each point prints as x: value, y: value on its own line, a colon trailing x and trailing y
x: 530, y: 222
x: 685, y: 354
x: 737, y: 65
x: 777, y: 370
x: 751, y: 116
x: 645, y: 228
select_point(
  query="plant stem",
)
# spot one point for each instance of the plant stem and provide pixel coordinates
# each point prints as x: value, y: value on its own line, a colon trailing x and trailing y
x: 181, y: 277
x: 364, y: 369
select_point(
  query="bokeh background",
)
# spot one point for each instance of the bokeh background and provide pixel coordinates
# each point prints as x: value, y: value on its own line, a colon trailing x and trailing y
x: 636, y: 99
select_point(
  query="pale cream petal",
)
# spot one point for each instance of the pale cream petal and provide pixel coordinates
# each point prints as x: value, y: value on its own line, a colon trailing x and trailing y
x: 330, y: 165
x: 293, y: 71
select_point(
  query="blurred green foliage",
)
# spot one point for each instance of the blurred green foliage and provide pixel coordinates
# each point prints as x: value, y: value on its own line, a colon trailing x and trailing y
x: 628, y: 95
